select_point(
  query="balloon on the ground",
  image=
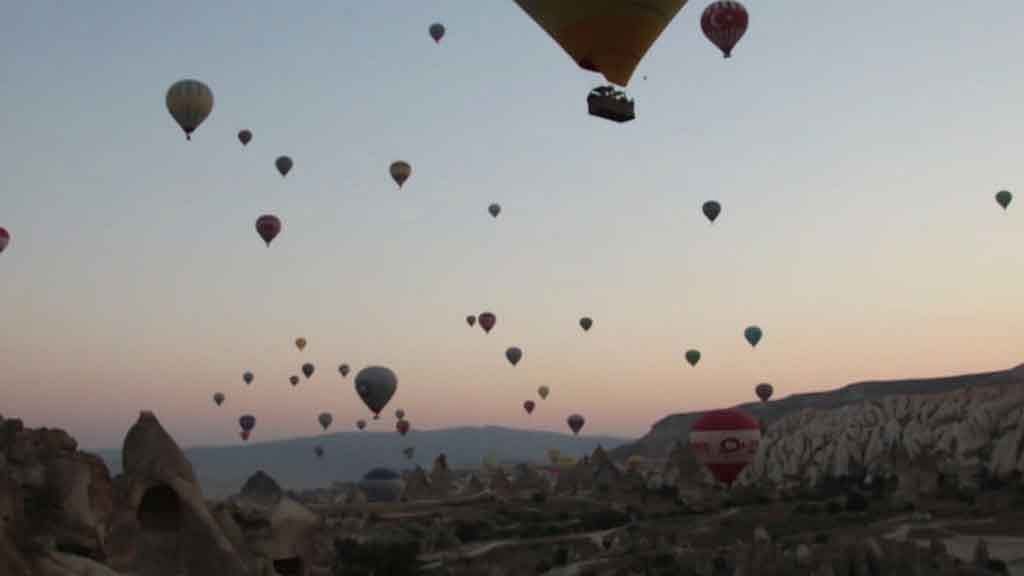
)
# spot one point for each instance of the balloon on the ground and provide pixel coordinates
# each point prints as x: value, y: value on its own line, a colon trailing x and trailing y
x: 725, y: 441
x: 602, y: 36
x: 244, y: 136
x: 711, y: 210
x: 284, y: 165
x: 437, y: 32
x: 764, y: 391
x: 575, y: 423
x: 400, y: 172
x: 189, y: 102
x: 268, y: 227
x: 375, y: 385
x: 693, y: 356
x: 724, y: 22
x: 514, y: 355
x: 753, y: 335
x: 487, y: 321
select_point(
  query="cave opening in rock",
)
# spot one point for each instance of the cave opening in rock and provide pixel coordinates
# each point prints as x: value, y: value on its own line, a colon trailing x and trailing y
x: 160, y: 510
x: 289, y: 566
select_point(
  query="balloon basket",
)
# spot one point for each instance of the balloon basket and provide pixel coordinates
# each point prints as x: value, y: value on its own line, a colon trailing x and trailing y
x: 610, y: 104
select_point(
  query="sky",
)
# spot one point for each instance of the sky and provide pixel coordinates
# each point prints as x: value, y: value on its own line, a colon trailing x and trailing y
x: 855, y: 147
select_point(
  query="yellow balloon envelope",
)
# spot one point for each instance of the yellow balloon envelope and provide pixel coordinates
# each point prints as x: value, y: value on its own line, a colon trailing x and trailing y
x: 605, y: 36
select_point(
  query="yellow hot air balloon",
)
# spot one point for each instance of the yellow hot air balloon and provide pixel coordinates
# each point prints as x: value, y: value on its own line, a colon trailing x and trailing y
x: 605, y: 36
x: 189, y: 102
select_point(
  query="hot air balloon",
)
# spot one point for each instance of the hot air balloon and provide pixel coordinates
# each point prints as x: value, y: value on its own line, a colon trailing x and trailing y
x: 1003, y: 197
x: 402, y: 426
x: 529, y: 406
x: 764, y: 391
x: 300, y: 343
x: 400, y: 414
x: 437, y: 32
x: 294, y: 380
x: 189, y: 102
x: 711, y: 210
x: 308, y: 369
x: 361, y: 424
x: 375, y: 386
x: 319, y: 451
x: 471, y: 320
x: 5, y: 238
x: 575, y: 423
x: 586, y: 323
x: 268, y: 227
x: 753, y: 335
x: 724, y: 23
x: 494, y: 209
x: 247, y: 377
x: 218, y: 398
x: 725, y: 441
x: 284, y: 165
x: 693, y: 356
x: 400, y: 172
x: 487, y: 321
x: 325, y: 419
x: 609, y: 38
x: 543, y: 392
x: 409, y: 452
x: 514, y: 355
x: 247, y: 422
x: 244, y: 136
x: 344, y: 370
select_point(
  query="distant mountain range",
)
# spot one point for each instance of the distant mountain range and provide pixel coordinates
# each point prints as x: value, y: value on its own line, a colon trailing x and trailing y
x: 658, y: 442
x: 348, y: 455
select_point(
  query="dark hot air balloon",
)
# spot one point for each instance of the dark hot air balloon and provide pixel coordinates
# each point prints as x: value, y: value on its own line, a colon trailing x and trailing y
x: 244, y: 136
x: 471, y: 320
x: 494, y: 209
x: 437, y: 32
x: 400, y: 414
x: 764, y: 391
x: 402, y: 426
x: 307, y: 370
x: 284, y: 165
x: 711, y: 210
x: 294, y: 380
x: 724, y: 22
x: 189, y: 102
x: 325, y: 419
x: 586, y: 323
x: 375, y: 386
x: 487, y: 321
x: 268, y: 227
x: 1004, y: 197
x: 400, y: 172
x: 247, y: 422
x: 514, y: 355
x: 725, y: 441
x: 300, y: 343
x: 218, y: 398
x: 5, y: 238
x: 319, y: 451
x: 543, y: 392
x: 575, y: 423
x: 529, y: 405
x: 753, y: 335
x: 247, y: 378
x: 361, y: 424
x: 693, y: 356
x: 344, y: 370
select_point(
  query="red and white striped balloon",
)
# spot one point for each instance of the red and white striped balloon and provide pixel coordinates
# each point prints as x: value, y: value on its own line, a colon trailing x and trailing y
x: 725, y: 441
x: 724, y: 22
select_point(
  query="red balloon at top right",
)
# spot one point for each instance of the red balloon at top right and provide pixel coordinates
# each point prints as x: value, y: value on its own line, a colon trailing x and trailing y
x: 724, y: 23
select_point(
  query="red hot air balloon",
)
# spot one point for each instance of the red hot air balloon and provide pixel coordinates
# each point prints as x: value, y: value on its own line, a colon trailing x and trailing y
x: 725, y: 441
x: 575, y: 423
x: 268, y: 227
x: 402, y: 426
x: 724, y: 23
x: 5, y: 238
x: 529, y: 406
x: 487, y: 321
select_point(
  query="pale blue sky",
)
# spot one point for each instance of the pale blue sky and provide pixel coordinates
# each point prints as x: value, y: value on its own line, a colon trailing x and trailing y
x: 856, y: 149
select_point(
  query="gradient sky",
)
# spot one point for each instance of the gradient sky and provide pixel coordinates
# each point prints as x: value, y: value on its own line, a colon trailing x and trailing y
x: 856, y: 148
